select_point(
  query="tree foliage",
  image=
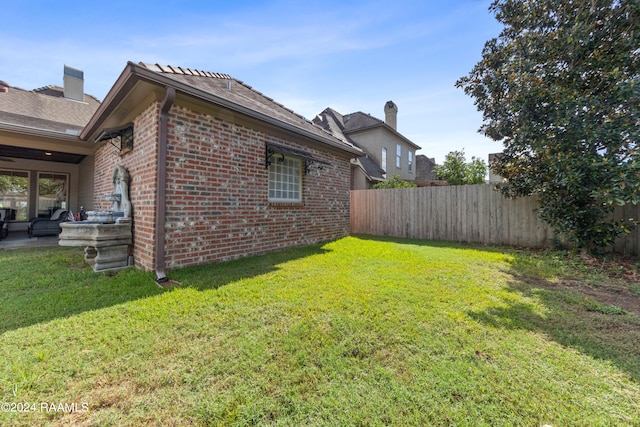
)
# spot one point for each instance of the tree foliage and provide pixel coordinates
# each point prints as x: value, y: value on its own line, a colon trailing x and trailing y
x: 560, y: 87
x: 13, y: 184
x: 394, y: 182
x: 456, y: 171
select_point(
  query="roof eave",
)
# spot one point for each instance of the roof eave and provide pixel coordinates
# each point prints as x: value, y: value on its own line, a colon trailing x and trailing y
x: 370, y: 177
x: 28, y: 130
x: 116, y: 94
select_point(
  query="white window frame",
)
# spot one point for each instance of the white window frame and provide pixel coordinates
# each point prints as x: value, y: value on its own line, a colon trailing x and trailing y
x: 410, y: 161
x: 63, y: 200
x: 20, y: 206
x: 383, y: 163
x: 285, y: 180
x: 398, y: 155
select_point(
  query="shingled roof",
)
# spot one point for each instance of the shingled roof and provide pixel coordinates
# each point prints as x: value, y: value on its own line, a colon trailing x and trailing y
x: 240, y: 94
x: 334, y: 122
x: 344, y: 125
x: 45, y: 109
x: 359, y: 120
x: 372, y: 168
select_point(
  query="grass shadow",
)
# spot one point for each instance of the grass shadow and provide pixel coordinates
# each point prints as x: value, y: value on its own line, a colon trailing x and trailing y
x: 572, y: 313
x: 44, y: 284
x: 436, y: 243
x: 563, y: 299
x: 212, y: 276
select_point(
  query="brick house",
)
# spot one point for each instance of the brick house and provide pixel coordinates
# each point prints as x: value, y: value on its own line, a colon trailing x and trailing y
x: 218, y: 170
x: 386, y: 151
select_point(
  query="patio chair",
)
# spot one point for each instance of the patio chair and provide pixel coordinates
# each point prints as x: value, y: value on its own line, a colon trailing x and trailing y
x: 48, y: 226
x: 5, y: 216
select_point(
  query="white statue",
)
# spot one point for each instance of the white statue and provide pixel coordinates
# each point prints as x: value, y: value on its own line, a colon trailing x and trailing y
x: 120, y: 197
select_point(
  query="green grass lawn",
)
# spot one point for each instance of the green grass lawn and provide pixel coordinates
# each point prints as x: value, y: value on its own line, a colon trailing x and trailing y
x: 362, y: 331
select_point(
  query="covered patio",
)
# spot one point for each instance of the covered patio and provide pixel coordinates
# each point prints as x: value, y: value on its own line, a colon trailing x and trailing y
x: 44, y: 165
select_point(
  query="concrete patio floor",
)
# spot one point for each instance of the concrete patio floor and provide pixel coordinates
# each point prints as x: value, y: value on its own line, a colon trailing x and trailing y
x: 20, y: 240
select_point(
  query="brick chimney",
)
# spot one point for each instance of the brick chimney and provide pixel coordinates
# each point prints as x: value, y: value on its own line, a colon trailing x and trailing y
x: 391, y: 114
x: 4, y: 86
x: 73, y: 83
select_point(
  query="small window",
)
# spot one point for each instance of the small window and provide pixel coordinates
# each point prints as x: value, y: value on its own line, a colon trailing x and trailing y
x: 410, y: 161
x: 398, y: 155
x: 285, y: 179
x: 383, y: 163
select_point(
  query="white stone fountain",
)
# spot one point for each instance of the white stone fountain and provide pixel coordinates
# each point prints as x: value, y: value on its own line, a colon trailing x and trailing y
x: 106, y: 235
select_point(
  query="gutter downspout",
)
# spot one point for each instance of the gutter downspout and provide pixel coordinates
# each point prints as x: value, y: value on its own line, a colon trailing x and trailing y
x: 161, y: 183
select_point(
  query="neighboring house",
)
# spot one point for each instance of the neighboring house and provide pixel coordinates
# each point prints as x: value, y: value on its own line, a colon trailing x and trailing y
x: 218, y: 170
x: 426, y: 172
x: 494, y: 178
x: 43, y: 163
x: 425, y: 168
x: 387, y: 152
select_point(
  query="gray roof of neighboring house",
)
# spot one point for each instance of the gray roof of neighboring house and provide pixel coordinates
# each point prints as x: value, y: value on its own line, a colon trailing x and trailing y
x: 372, y: 168
x: 45, y: 109
x: 425, y: 168
x: 333, y: 122
x: 358, y: 121
x: 343, y: 125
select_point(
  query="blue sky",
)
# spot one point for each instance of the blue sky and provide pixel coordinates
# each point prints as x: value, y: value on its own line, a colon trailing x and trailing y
x: 350, y: 56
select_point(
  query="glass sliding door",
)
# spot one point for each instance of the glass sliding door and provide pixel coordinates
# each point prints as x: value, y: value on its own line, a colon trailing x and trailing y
x: 53, y: 193
x: 14, y: 193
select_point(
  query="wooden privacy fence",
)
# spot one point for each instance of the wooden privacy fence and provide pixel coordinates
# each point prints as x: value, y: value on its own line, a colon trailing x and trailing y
x: 464, y: 213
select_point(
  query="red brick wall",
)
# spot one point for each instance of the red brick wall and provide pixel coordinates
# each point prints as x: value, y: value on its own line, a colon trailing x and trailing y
x: 217, y: 202
x: 141, y: 164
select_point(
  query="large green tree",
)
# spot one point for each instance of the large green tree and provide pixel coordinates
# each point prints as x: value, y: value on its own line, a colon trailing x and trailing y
x: 560, y: 87
x: 456, y: 171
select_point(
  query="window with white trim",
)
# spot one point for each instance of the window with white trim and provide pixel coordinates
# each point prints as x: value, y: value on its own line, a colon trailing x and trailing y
x: 14, y: 193
x: 285, y: 179
x: 52, y: 192
x: 398, y: 155
x: 383, y: 163
x: 410, y: 161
